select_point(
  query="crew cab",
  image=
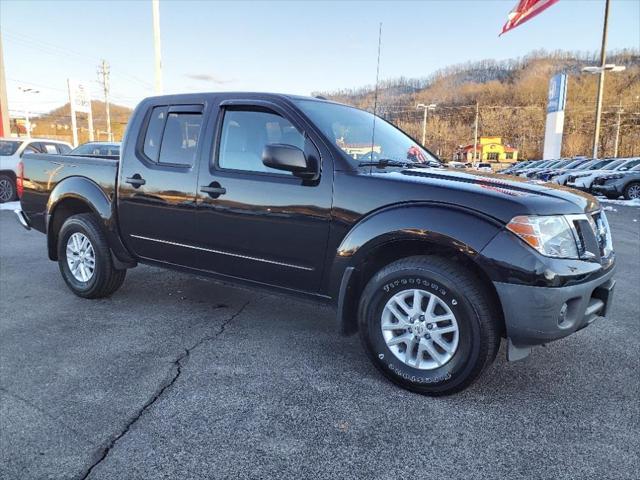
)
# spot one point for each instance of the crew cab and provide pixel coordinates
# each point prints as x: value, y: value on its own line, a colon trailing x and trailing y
x: 433, y: 267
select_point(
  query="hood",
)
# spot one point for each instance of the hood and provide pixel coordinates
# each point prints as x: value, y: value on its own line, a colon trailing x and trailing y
x: 483, y: 190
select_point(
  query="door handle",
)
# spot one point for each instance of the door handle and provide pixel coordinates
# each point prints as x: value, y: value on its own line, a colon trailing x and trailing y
x: 214, y: 189
x: 136, y: 181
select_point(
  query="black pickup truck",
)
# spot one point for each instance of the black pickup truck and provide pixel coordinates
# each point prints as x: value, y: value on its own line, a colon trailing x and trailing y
x: 431, y: 266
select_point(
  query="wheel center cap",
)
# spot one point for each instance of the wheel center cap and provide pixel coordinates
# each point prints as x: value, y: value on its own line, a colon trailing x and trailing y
x: 419, y: 328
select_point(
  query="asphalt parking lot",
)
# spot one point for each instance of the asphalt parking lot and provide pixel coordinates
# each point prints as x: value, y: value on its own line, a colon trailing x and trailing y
x: 179, y: 377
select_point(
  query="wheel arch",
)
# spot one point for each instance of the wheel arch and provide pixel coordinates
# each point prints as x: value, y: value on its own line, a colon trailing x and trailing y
x: 453, y: 233
x: 76, y: 195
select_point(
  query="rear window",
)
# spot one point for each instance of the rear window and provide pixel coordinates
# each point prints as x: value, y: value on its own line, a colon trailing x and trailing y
x: 9, y: 147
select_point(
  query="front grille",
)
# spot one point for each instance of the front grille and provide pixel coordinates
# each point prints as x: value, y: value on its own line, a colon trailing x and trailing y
x: 593, y: 235
x: 601, y: 230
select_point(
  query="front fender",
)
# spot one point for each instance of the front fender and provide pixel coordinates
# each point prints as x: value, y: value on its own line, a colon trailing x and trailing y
x: 465, y: 230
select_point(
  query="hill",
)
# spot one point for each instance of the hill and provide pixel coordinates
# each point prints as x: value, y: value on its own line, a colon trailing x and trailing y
x: 57, y: 123
x: 512, y: 97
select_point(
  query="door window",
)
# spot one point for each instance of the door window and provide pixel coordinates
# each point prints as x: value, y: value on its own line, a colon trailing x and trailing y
x: 153, y: 137
x: 50, y: 148
x: 180, y: 138
x: 245, y: 133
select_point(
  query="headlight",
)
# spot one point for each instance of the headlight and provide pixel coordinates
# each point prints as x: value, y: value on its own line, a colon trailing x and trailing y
x: 552, y: 236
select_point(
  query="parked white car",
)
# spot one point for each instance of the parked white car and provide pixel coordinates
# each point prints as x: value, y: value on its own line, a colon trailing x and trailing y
x: 584, y: 180
x: 482, y: 167
x: 12, y: 149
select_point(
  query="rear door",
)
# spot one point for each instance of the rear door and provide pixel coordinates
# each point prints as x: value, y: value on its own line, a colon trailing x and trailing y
x: 157, y: 184
x: 263, y: 224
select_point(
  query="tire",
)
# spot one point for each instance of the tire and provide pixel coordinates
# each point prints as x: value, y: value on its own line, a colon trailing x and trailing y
x: 7, y: 188
x: 104, y: 279
x: 632, y: 191
x: 456, y: 291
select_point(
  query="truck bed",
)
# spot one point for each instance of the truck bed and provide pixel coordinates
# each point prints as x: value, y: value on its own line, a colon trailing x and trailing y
x: 43, y: 172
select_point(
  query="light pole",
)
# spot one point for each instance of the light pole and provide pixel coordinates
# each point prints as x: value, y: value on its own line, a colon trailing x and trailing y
x: 27, y: 122
x: 600, y: 71
x: 426, y: 109
x: 155, y: 8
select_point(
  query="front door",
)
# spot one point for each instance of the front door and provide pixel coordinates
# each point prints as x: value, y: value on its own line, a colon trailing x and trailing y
x: 157, y: 185
x: 259, y: 223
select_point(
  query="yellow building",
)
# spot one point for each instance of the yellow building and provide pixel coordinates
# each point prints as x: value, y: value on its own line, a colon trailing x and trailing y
x: 489, y: 149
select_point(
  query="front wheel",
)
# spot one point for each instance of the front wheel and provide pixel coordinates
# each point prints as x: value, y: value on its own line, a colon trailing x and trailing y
x: 427, y: 324
x: 632, y: 191
x: 84, y: 258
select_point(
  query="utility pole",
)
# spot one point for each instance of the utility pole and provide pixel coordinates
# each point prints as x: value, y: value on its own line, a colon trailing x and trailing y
x: 475, y: 135
x: 426, y: 109
x: 603, y: 64
x: 27, y: 120
x: 155, y: 6
x: 615, y: 148
x: 103, y: 77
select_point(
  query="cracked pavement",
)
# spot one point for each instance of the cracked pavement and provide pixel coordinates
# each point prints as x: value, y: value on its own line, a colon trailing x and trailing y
x: 179, y: 377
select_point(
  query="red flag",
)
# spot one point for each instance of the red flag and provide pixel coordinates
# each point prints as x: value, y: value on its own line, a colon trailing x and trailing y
x: 525, y: 10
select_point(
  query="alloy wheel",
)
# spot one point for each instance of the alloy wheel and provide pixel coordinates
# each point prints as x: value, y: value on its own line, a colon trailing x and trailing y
x: 420, y: 329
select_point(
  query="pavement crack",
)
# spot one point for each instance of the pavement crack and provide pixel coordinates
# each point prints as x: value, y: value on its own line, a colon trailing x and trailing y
x: 177, y: 366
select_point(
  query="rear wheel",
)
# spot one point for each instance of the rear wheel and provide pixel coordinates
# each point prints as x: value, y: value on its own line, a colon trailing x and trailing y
x: 427, y: 324
x: 7, y: 188
x: 84, y: 258
x: 632, y: 191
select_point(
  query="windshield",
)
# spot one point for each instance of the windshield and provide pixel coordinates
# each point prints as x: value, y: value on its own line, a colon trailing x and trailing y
x: 613, y: 165
x: 628, y: 165
x: 96, y: 149
x: 9, y: 147
x: 597, y: 165
x: 575, y: 163
x: 352, y: 131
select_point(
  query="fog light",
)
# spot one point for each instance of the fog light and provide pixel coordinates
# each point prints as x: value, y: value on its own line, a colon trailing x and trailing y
x: 563, y: 314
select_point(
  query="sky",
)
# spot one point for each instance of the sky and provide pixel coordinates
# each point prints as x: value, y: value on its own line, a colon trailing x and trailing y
x: 290, y: 47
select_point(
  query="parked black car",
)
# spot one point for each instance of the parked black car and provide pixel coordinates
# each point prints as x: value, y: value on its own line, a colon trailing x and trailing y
x: 431, y: 266
x: 614, y: 185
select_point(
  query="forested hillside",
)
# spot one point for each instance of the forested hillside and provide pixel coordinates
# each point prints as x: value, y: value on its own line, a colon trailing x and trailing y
x: 512, y: 97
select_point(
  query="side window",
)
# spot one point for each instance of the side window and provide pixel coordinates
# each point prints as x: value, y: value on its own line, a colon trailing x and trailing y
x: 50, y: 148
x: 153, y: 136
x: 62, y: 149
x: 245, y: 133
x: 31, y: 148
x: 180, y: 138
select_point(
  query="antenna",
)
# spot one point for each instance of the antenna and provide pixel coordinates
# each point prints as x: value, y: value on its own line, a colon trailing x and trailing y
x: 375, y: 95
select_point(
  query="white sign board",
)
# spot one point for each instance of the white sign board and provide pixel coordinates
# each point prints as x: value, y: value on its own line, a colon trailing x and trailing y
x: 79, y: 97
x: 79, y: 101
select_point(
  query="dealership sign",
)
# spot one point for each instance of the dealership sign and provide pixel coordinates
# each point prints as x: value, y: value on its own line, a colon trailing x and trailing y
x: 79, y: 101
x: 556, y: 101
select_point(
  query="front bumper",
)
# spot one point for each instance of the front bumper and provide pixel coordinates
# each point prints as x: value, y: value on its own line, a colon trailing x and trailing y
x: 606, y: 189
x: 538, y: 315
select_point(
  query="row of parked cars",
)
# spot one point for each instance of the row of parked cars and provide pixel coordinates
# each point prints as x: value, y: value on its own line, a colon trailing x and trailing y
x: 12, y: 150
x: 611, y: 177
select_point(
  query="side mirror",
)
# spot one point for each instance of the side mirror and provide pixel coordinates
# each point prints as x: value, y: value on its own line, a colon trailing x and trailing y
x: 289, y: 158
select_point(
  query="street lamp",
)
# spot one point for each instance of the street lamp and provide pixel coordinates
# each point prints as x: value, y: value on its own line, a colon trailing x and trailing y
x: 27, y: 122
x: 426, y: 108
